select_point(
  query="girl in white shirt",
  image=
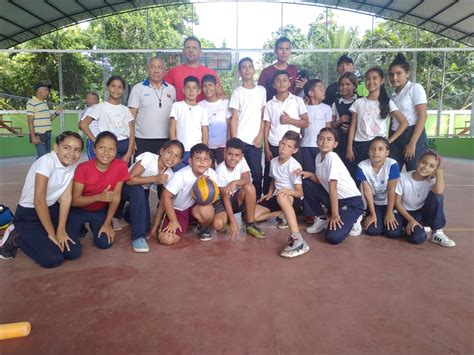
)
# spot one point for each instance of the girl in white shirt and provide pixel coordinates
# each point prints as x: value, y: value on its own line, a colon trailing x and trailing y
x: 40, y: 218
x: 114, y: 117
x: 420, y: 201
x: 378, y: 177
x: 369, y: 117
x: 333, y: 187
x: 411, y: 100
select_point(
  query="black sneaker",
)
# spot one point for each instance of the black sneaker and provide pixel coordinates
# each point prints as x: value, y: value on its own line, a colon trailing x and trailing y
x: 204, y: 234
x: 7, y: 248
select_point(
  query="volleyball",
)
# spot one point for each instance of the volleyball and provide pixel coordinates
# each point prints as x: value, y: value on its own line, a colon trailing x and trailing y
x: 205, y: 191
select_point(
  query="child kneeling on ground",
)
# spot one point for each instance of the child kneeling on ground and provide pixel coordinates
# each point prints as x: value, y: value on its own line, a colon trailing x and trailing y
x: 236, y: 190
x: 285, y: 189
x: 420, y: 201
x: 178, y: 201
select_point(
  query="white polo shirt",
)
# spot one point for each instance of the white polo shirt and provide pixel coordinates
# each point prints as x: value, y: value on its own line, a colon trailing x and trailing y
x: 189, y: 123
x: 181, y: 185
x: 293, y: 105
x: 332, y: 168
x: 369, y: 124
x: 59, y: 177
x: 412, y: 94
x: 249, y: 104
x: 152, y: 121
x: 318, y: 116
x: 149, y: 162
x: 217, y: 115
x: 284, y: 174
x: 413, y: 192
x: 226, y: 176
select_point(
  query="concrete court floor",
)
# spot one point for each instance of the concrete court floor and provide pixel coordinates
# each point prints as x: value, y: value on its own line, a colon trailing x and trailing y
x: 369, y: 295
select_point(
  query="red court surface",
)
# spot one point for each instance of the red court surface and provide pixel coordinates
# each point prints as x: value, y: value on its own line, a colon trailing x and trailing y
x: 369, y: 295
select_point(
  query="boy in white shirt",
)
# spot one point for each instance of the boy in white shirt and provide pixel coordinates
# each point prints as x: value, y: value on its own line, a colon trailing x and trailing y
x: 319, y: 116
x: 236, y: 189
x: 178, y: 201
x: 282, y: 113
x: 218, y: 116
x: 285, y: 189
x: 188, y: 120
x: 246, y: 104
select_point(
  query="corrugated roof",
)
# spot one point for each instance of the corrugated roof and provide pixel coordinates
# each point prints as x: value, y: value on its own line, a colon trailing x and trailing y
x: 22, y: 20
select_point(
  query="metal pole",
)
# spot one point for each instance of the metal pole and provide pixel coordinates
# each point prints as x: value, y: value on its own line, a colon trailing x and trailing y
x: 440, y: 98
x: 415, y: 56
x: 471, y: 132
x: 326, y: 55
x: 281, y: 18
x: 61, y: 88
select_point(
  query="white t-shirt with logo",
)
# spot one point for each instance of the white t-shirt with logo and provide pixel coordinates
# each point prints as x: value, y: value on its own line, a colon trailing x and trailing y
x: 378, y: 181
x: 332, y: 168
x: 226, y: 176
x: 413, y: 192
x: 249, y: 104
x: 412, y: 94
x: 293, y: 105
x: 318, y: 116
x: 369, y: 124
x: 149, y: 162
x: 284, y: 174
x: 189, y: 123
x: 113, y: 118
x: 181, y: 184
x: 217, y: 115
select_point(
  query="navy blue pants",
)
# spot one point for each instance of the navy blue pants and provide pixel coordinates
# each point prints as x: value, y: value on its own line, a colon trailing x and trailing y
x: 308, y: 155
x: 32, y: 238
x: 90, y: 149
x: 350, y: 209
x: 381, y: 229
x: 78, y: 217
x: 430, y: 215
x: 397, y: 147
x: 253, y: 155
x: 122, y: 148
x: 149, y: 145
x: 138, y: 213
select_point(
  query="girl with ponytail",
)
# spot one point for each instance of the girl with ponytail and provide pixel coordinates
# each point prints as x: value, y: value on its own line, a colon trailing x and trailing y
x: 411, y: 100
x: 369, y: 118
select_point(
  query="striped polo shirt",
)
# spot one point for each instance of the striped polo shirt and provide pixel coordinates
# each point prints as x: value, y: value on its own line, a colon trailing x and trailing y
x: 41, y: 115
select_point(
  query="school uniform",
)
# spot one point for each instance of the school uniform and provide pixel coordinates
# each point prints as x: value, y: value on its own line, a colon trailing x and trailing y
x: 341, y: 107
x: 115, y: 119
x: 189, y: 122
x: 217, y: 115
x: 180, y: 185
x: 95, y: 182
x: 294, y: 106
x: 249, y: 104
x: 226, y: 176
x: 31, y: 237
x: 379, y: 184
x: 316, y: 196
x: 138, y: 196
x: 426, y: 207
x: 319, y: 116
x: 284, y: 177
x: 94, y: 128
x: 411, y: 95
x: 369, y: 126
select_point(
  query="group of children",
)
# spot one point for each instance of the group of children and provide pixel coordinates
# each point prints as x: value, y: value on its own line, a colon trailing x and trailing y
x: 318, y: 159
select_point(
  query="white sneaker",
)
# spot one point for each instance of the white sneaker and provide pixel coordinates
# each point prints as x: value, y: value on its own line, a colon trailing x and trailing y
x: 116, y: 225
x: 442, y: 239
x: 356, y: 228
x: 318, y: 225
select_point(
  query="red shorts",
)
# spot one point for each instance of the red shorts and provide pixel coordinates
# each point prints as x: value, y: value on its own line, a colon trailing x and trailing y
x: 183, y: 220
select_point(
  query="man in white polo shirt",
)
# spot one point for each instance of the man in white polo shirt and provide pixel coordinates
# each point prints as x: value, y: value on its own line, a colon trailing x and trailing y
x: 150, y: 103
